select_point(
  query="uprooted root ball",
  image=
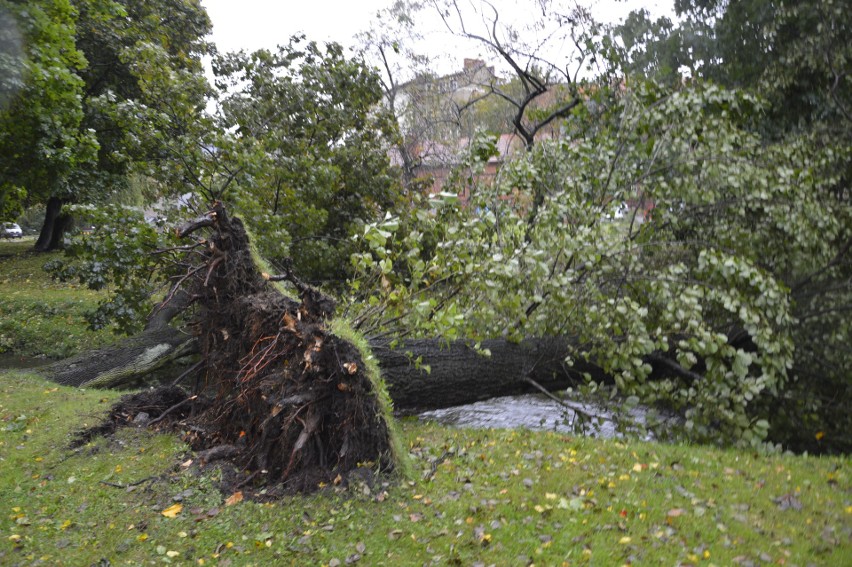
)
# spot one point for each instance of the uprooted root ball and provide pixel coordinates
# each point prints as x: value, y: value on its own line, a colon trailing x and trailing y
x: 285, y: 400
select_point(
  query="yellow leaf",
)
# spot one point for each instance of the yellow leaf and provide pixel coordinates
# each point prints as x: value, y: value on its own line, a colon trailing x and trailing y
x: 625, y: 540
x: 234, y: 498
x: 65, y: 525
x: 172, y: 511
x: 118, y: 468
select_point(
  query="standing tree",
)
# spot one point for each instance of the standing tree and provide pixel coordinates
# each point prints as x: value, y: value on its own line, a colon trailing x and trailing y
x: 42, y: 142
x: 107, y: 88
x: 310, y: 147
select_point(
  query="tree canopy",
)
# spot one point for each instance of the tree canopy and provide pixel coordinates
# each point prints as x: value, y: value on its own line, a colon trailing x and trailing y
x: 307, y: 144
x: 42, y: 142
x: 686, y: 229
x: 99, y: 90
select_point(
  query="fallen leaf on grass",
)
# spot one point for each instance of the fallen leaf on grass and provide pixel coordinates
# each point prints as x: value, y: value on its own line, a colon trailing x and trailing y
x: 172, y: 511
x: 234, y: 498
x: 575, y: 504
x: 788, y: 501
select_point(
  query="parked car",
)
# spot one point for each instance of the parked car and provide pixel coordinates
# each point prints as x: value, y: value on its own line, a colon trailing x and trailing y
x: 11, y: 230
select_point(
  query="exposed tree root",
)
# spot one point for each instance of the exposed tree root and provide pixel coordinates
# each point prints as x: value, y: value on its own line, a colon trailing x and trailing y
x: 277, y: 394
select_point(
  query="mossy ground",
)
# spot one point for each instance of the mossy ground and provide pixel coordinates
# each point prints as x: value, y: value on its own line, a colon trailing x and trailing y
x: 496, y: 497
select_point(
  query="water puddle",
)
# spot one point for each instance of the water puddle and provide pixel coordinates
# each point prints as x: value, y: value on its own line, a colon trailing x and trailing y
x: 530, y: 411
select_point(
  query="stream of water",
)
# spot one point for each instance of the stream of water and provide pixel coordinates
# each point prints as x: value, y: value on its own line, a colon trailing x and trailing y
x: 531, y: 411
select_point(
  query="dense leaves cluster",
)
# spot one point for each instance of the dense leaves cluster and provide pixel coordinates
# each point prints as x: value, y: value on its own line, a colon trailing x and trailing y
x: 42, y: 142
x: 100, y: 90
x: 685, y: 300
x: 795, y: 56
x: 117, y: 256
x: 308, y: 151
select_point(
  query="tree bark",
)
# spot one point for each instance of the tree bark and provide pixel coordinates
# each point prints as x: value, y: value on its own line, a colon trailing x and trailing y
x: 54, y: 227
x: 125, y: 363
x: 451, y: 374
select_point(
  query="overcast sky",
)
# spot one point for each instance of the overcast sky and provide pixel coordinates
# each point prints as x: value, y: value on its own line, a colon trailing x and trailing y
x: 255, y: 24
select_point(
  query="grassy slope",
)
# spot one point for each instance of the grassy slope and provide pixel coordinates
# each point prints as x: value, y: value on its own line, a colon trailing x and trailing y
x: 37, y: 315
x: 502, y: 497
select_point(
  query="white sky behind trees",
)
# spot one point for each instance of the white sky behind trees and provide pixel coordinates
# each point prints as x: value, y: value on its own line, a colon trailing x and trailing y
x: 256, y: 24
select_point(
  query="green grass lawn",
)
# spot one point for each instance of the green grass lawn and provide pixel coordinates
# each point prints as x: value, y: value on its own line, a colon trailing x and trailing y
x: 40, y: 317
x: 495, y: 497
x: 474, y: 496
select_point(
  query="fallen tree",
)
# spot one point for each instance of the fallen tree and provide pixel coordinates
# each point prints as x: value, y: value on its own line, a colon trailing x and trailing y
x: 420, y: 374
x: 450, y: 374
x: 276, y: 391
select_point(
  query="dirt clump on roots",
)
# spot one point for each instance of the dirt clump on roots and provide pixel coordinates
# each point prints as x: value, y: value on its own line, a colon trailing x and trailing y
x: 288, y: 403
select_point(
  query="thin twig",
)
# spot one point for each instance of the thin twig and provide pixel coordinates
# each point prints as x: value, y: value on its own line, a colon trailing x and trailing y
x: 168, y: 411
x: 125, y: 486
x: 193, y: 368
x: 573, y: 407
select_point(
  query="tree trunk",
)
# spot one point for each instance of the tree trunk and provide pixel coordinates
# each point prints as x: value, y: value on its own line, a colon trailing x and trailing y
x: 125, y: 363
x: 54, y: 227
x: 449, y: 374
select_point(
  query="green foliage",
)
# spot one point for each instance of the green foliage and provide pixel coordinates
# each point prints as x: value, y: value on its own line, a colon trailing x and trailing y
x: 101, y: 89
x: 308, y: 149
x: 117, y: 257
x: 145, y: 89
x: 42, y: 143
x: 689, y: 307
x: 794, y: 55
